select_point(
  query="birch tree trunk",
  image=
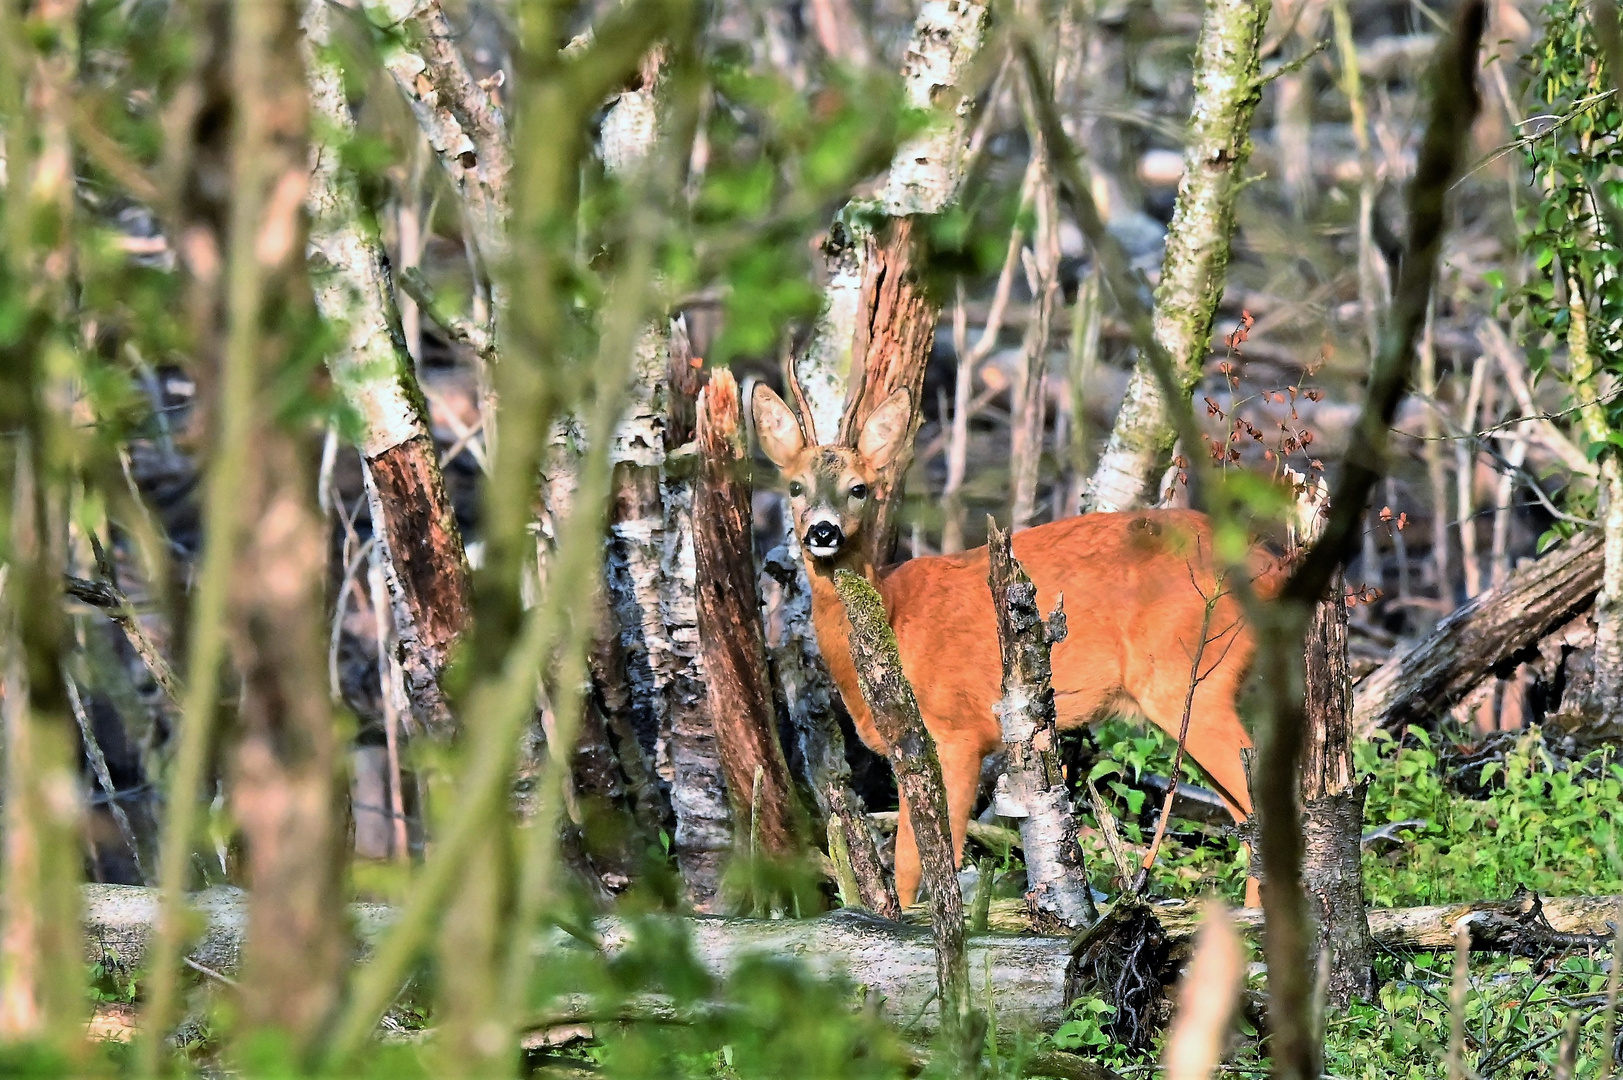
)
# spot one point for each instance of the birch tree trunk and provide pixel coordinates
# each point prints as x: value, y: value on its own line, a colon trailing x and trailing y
x: 1197, y: 251
x: 284, y: 791
x: 458, y: 116
x: 651, y: 570
x: 414, y: 521
x: 925, y: 176
x: 1032, y: 787
x: 1332, y: 799
x: 1587, y: 389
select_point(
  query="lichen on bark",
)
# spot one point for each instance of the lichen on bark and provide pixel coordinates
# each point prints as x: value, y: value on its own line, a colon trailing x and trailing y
x: 1226, y: 92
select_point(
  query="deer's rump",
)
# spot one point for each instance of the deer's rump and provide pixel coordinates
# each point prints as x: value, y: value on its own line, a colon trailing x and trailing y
x: 1133, y: 587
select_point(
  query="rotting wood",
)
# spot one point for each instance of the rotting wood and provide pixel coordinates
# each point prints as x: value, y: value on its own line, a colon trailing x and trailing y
x: 738, y: 686
x: 895, y: 714
x: 893, y: 337
x: 1478, y: 639
x: 1032, y: 788
x: 896, y: 962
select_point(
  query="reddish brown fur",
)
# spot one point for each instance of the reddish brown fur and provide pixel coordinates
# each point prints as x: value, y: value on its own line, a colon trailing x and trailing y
x: 1133, y: 606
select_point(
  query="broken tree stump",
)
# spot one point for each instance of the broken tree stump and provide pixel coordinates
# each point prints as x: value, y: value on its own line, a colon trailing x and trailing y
x: 1032, y: 788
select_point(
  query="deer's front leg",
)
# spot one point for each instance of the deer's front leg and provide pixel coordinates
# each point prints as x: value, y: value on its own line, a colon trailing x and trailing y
x: 961, y: 776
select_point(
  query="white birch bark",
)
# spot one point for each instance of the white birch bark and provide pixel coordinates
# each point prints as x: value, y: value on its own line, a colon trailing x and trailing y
x: 925, y: 175
x: 652, y: 563
x: 1032, y: 789
x: 425, y: 565
x: 1197, y: 251
x: 458, y: 116
x: 372, y: 369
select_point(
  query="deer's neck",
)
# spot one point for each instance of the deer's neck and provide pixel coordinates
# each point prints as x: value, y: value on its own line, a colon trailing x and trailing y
x: 834, y: 634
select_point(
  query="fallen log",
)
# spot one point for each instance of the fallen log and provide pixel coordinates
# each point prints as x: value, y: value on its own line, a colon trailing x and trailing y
x: 896, y: 962
x: 1484, y: 635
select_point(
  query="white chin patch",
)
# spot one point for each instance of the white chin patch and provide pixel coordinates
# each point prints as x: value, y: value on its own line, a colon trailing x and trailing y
x: 822, y: 551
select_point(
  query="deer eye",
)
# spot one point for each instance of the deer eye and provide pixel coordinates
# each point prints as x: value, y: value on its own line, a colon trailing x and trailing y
x: 859, y: 491
x: 796, y: 489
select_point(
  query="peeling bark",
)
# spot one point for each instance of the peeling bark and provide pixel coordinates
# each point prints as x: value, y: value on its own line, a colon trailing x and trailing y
x: 895, y: 714
x: 924, y: 178
x: 459, y: 117
x: 652, y: 568
x: 426, y: 568
x: 894, y: 333
x: 738, y: 684
x: 1197, y: 251
x: 1032, y: 788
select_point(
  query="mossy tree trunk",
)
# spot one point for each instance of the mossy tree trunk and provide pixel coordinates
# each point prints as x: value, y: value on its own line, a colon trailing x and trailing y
x: 1218, y: 146
x: 412, y: 516
x: 895, y: 713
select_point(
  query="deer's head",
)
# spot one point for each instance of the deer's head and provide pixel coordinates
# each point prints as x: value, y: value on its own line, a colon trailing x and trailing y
x: 830, y: 486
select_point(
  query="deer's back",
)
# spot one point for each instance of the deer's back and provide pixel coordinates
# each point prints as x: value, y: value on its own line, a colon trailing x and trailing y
x: 1131, y: 602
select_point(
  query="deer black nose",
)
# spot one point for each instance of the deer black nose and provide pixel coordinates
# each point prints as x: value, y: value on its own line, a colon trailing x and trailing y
x: 824, y: 537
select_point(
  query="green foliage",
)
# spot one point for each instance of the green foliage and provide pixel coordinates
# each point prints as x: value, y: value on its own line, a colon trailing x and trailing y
x: 1573, y: 157
x: 1545, y: 823
x: 1542, y: 822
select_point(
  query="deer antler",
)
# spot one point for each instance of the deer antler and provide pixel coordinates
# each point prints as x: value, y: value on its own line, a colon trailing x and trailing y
x: 797, y: 399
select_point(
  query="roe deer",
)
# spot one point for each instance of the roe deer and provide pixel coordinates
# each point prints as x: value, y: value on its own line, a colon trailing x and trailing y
x: 1134, y: 612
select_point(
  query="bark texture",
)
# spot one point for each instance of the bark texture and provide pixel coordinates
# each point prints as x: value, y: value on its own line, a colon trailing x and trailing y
x: 459, y: 117
x: 1032, y: 788
x: 284, y: 790
x: 809, y: 696
x: 894, y: 332
x: 651, y: 570
x: 1217, y: 147
x: 1485, y: 635
x: 737, y: 682
x: 426, y: 569
x: 896, y: 962
x: 895, y: 714
x: 924, y: 178
x: 1332, y: 798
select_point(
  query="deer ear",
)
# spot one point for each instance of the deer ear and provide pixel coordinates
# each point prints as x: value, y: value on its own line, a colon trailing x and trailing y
x: 886, y: 429
x: 776, y: 427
